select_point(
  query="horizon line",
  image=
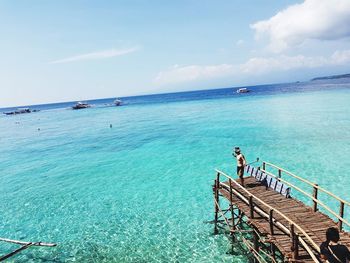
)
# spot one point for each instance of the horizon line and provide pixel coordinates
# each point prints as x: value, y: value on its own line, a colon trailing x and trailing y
x: 145, y: 94
x: 169, y: 92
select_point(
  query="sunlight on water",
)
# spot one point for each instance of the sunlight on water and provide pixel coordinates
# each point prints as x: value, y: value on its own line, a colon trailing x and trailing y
x: 141, y: 191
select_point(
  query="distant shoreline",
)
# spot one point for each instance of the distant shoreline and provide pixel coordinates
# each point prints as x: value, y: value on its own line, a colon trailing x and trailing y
x: 343, y: 76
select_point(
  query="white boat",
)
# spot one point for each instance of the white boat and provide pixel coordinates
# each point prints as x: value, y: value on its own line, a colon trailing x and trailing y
x: 118, y: 102
x: 81, y: 105
x: 242, y: 90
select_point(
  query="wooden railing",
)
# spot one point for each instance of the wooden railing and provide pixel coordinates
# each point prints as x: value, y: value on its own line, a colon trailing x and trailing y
x: 291, y: 230
x: 314, y: 196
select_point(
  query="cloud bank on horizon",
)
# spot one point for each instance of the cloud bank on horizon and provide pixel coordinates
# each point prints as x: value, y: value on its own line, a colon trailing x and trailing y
x: 254, y: 66
x: 320, y: 20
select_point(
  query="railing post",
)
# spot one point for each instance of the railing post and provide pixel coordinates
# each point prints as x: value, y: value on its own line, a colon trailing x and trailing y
x: 251, y: 207
x: 341, y: 215
x: 315, y: 196
x: 271, y: 221
x: 264, y: 165
x: 218, y: 179
x: 232, y: 212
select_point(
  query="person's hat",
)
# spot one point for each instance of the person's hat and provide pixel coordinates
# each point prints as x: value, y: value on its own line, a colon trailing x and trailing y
x: 237, y: 150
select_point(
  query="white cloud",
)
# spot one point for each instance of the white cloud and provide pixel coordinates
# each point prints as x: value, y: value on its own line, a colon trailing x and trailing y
x: 312, y: 19
x: 96, y: 55
x: 254, y: 66
x: 177, y: 74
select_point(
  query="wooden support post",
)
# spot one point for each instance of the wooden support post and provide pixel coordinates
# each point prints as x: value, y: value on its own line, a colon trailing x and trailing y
x: 315, y: 196
x: 251, y: 207
x: 294, y: 241
x: 291, y: 234
x: 232, y: 212
x: 256, y: 241
x: 218, y: 179
x: 216, y: 197
x: 296, y: 247
x: 240, y: 215
x: 341, y: 214
x: 273, y: 250
x: 218, y: 186
x: 271, y: 221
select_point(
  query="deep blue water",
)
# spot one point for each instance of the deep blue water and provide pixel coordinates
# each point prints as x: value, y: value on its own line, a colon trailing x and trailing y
x: 271, y: 89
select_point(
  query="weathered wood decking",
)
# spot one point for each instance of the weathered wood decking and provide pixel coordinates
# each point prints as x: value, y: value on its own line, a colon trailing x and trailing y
x: 287, y: 224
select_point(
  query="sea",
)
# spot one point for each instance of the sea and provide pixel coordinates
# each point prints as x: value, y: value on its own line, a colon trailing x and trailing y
x: 134, y: 183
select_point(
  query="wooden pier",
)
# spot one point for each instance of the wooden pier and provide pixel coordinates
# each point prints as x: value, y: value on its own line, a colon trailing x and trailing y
x: 265, y: 217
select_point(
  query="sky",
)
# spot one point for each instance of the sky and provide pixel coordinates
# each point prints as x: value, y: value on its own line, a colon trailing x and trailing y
x: 54, y: 51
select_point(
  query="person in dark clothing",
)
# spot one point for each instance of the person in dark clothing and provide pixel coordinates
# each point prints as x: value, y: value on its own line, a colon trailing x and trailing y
x: 332, y: 250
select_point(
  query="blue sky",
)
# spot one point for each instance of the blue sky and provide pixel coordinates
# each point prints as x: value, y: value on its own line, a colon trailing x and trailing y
x: 74, y: 50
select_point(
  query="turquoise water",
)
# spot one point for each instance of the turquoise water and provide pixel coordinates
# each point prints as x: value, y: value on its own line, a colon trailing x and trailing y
x: 141, y: 191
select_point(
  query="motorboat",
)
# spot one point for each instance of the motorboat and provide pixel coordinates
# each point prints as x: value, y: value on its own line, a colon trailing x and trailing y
x: 242, y: 90
x: 81, y: 105
x: 118, y: 102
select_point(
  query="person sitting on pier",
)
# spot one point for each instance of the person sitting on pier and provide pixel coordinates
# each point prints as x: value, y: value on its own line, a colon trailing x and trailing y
x: 241, y: 162
x: 333, y: 251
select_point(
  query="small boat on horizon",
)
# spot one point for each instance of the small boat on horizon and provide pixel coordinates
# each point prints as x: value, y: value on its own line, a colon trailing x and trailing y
x: 242, y: 90
x: 20, y: 111
x: 118, y: 102
x: 81, y: 105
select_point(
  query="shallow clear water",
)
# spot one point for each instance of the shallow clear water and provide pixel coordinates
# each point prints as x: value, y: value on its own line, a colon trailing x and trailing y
x: 141, y: 191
